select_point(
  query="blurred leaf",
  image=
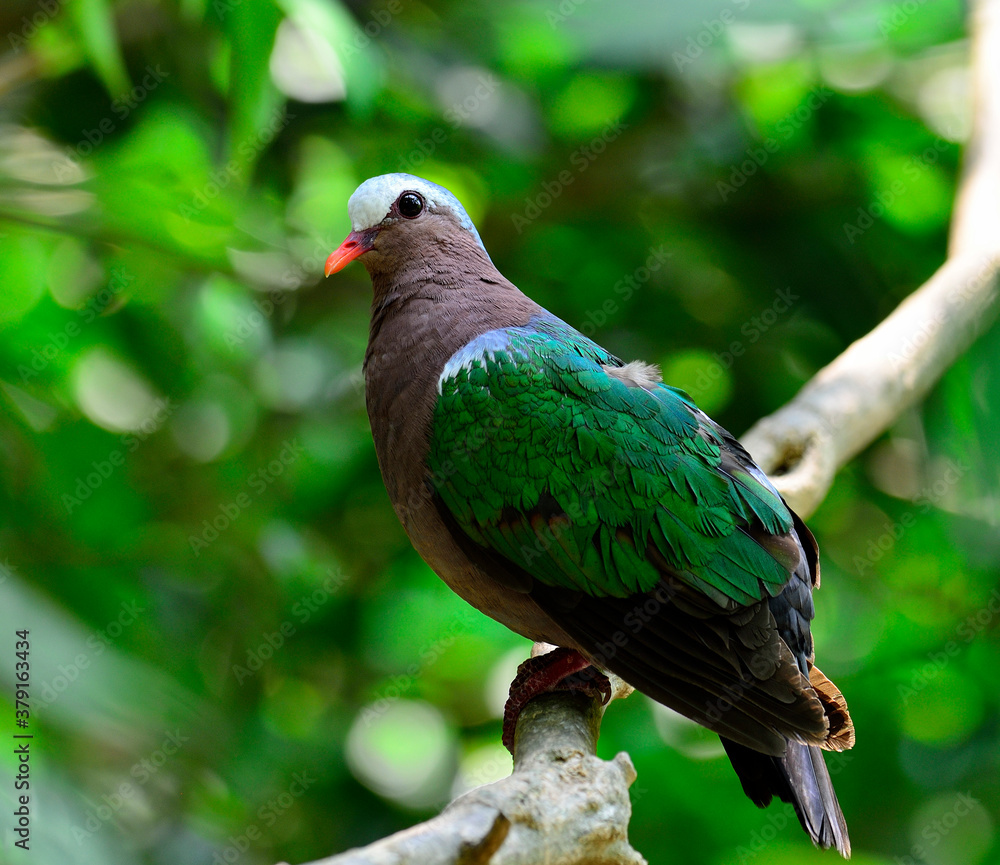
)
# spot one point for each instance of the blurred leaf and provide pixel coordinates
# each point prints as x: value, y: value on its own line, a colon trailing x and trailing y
x: 96, y: 22
x: 23, y: 262
x: 255, y: 103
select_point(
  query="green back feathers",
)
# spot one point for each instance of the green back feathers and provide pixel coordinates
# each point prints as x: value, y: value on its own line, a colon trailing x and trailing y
x: 589, y: 483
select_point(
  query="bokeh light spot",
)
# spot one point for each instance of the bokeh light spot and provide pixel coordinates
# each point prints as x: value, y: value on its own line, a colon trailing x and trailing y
x: 403, y: 750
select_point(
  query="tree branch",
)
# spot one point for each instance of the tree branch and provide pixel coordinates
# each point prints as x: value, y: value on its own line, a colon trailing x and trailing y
x: 850, y: 402
x: 974, y: 220
x: 561, y: 804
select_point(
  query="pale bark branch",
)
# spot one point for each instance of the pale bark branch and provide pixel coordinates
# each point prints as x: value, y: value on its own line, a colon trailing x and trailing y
x: 854, y: 399
x: 974, y: 222
x: 560, y: 805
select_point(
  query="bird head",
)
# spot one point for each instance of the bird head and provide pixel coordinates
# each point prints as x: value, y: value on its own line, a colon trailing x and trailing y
x: 394, y: 216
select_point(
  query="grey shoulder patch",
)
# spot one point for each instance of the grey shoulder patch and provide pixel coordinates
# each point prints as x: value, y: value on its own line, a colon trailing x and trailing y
x: 488, y: 343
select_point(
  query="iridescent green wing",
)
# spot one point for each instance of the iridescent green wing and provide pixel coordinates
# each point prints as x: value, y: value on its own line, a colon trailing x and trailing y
x: 592, y: 484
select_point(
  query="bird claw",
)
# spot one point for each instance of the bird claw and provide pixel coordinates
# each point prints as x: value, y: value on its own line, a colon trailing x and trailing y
x: 558, y: 670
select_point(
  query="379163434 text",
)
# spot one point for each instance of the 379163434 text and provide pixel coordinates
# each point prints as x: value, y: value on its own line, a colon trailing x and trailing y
x: 22, y: 740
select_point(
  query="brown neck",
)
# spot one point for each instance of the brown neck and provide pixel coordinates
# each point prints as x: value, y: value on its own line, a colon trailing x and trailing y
x: 425, y: 308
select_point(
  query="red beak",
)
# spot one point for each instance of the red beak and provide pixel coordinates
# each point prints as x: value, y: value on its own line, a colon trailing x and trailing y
x: 357, y: 243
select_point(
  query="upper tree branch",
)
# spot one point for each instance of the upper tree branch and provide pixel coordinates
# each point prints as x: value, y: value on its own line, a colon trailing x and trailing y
x: 850, y: 402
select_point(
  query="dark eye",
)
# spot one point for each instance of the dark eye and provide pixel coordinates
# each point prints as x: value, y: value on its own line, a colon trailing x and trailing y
x: 410, y: 205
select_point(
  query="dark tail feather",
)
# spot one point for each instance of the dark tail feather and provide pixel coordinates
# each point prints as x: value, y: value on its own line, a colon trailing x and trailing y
x: 800, y: 777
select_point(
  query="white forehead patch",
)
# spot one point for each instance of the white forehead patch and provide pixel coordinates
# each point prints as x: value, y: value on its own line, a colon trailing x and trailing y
x: 371, y: 201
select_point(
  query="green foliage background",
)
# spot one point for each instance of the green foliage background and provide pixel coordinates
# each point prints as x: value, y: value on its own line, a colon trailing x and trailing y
x: 225, y: 616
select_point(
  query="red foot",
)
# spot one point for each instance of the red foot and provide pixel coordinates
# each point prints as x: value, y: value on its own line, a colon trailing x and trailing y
x: 553, y: 671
